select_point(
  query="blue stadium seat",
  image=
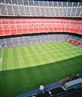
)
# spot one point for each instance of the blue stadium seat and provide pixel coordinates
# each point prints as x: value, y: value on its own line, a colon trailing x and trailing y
x: 30, y: 8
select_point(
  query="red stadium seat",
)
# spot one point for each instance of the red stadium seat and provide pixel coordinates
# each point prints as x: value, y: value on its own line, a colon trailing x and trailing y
x: 13, y: 29
x: 38, y: 25
x: 6, y: 30
x: 70, y: 40
x: 79, y: 43
x: 1, y: 30
x: 75, y: 42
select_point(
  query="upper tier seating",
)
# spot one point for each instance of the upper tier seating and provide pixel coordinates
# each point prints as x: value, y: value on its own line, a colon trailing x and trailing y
x: 40, y: 8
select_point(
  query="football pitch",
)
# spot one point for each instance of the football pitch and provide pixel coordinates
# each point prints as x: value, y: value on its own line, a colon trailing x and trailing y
x: 25, y: 68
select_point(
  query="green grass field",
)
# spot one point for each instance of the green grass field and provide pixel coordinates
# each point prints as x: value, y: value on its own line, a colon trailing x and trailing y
x: 25, y: 68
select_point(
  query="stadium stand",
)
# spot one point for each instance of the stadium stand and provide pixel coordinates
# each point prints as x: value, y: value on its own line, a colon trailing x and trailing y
x: 27, y: 22
x: 21, y: 40
x: 75, y: 42
x: 31, y: 39
x: 39, y: 25
x: 40, y: 8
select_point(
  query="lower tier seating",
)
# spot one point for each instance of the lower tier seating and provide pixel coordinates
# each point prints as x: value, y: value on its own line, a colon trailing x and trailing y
x: 39, y: 38
x: 31, y: 39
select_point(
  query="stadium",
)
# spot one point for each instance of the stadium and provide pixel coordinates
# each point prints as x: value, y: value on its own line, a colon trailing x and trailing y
x: 40, y: 48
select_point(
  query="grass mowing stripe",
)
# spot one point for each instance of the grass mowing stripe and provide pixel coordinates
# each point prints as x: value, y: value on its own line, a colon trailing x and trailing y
x: 10, y: 75
x: 25, y: 64
x: 5, y: 56
x: 10, y: 59
x: 15, y: 58
x: 18, y: 74
x: 1, y: 58
x: 27, y: 54
x: 3, y: 80
x: 28, y: 76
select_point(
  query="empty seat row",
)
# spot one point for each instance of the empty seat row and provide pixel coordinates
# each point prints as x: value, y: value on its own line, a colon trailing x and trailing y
x: 42, y: 3
x: 39, y: 20
x: 21, y: 10
x: 28, y: 40
x: 39, y: 25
